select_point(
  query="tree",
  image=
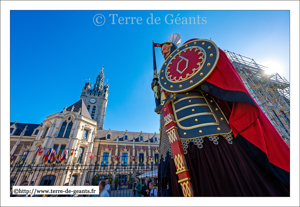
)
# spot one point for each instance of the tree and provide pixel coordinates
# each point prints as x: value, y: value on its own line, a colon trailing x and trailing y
x: 95, y: 180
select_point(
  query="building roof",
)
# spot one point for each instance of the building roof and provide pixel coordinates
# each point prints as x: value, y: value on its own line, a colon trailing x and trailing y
x: 29, y: 130
x: 80, y: 104
x: 101, y: 134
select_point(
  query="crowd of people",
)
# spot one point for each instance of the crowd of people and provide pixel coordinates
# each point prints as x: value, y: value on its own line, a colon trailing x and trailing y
x: 148, y: 190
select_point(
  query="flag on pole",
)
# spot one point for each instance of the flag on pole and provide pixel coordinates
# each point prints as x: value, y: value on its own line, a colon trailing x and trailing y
x: 91, y: 155
x: 25, y: 155
x: 40, y: 151
x: 12, y: 157
x: 45, y: 157
x: 75, y: 152
x: 49, y: 157
x: 62, y: 156
x: 67, y: 154
x: 72, y: 152
x: 156, y: 44
x: 37, y: 150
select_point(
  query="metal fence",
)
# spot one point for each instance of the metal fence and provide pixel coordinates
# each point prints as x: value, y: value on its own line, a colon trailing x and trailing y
x: 121, y: 177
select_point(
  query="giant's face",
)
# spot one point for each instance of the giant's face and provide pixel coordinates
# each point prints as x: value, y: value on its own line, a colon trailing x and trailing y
x: 165, y: 50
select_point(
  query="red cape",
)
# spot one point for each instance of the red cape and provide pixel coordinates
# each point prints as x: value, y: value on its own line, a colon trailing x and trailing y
x: 247, y: 119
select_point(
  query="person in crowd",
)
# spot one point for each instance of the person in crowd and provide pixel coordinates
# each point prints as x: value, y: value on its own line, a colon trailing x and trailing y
x: 137, y: 190
x: 107, y: 186
x: 102, y: 191
x: 153, y: 192
x: 145, y: 189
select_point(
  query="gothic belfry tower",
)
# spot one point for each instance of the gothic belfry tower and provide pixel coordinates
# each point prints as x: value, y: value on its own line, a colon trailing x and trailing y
x: 95, y: 98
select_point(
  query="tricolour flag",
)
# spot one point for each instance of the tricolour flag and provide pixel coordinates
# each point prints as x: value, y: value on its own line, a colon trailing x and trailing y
x: 91, y: 155
x: 12, y: 157
x: 40, y: 151
x: 37, y: 150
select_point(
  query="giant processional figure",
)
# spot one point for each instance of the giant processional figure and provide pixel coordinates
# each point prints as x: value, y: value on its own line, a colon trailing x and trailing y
x: 214, y: 140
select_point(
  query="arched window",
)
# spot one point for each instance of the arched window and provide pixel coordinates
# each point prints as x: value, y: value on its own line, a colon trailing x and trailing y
x: 17, y: 132
x: 62, y: 129
x: 48, y: 180
x: 67, y: 134
x: 45, y: 132
x: 88, y: 107
x: 80, y: 154
x: 93, y: 112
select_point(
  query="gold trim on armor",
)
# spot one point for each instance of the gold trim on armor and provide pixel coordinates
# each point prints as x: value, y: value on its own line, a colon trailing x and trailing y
x: 183, y: 180
x: 173, y: 127
x: 181, y: 171
x: 191, y: 105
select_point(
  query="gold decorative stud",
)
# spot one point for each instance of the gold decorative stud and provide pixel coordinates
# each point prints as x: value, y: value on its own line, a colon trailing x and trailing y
x: 209, y: 47
x: 187, y: 93
x: 217, y: 109
x: 195, y: 43
x: 165, y: 83
x: 165, y: 109
x: 211, y: 55
x: 208, y: 64
x: 218, y: 129
x: 206, y: 94
x: 162, y: 71
x: 193, y: 110
x: 191, y: 82
x: 177, y: 50
x: 203, y: 43
x: 190, y: 101
x: 180, y: 86
x: 211, y: 101
x: 165, y: 63
x: 162, y: 78
x: 170, y: 56
x: 184, y: 133
x: 222, y: 119
x: 201, y: 74
x: 186, y: 45
x: 196, y: 120
x: 171, y: 86
x: 200, y: 131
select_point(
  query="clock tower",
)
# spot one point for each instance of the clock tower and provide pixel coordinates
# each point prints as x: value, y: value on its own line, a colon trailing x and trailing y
x: 95, y: 98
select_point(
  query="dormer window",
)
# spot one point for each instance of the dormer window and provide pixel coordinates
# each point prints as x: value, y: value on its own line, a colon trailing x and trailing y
x: 125, y: 137
x: 11, y: 130
x: 141, y: 138
x: 36, y: 132
x: 45, y: 133
x: 108, y: 136
x: 155, y: 139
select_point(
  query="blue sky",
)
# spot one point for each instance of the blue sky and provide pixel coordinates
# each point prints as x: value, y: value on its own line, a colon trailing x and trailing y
x: 54, y: 52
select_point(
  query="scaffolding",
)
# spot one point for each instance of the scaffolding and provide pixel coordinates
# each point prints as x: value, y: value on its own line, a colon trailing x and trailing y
x: 270, y: 91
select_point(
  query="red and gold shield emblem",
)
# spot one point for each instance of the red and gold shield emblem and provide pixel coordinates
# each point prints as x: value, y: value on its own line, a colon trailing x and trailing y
x: 188, y: 66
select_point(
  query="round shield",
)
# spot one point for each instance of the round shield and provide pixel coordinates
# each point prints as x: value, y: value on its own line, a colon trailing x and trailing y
x: 188, y: 66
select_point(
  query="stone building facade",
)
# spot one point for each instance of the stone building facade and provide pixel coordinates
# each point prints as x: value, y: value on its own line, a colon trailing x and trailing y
x: 79, y: 128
